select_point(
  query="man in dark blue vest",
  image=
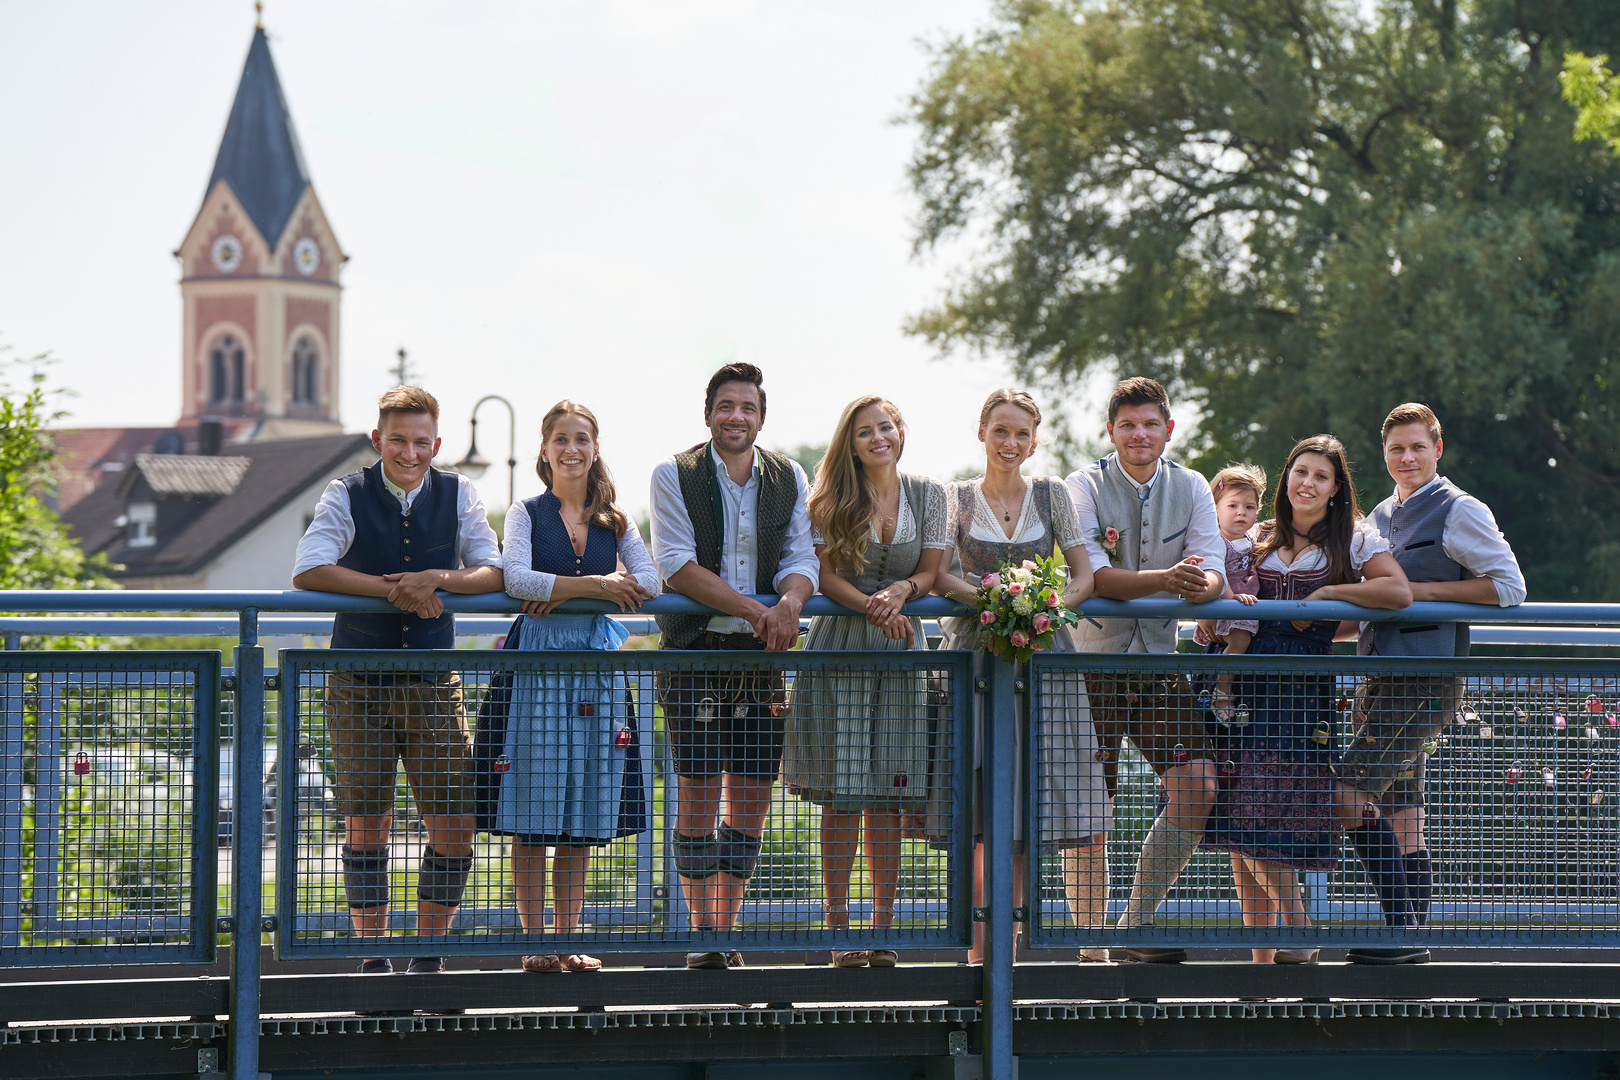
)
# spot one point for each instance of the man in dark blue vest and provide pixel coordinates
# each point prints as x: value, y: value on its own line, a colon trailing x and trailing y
x: 403, y: 530
x: 1449, y: 546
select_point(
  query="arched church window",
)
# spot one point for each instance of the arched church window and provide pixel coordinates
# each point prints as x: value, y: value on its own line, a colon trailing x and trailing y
x: 227, y: 363
x: 306, y: 363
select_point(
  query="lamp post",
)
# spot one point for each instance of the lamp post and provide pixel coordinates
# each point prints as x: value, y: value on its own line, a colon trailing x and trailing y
x: 475, y: 465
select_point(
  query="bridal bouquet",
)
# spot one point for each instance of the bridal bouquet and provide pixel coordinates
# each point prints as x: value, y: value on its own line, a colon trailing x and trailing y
x: 1021, y: 607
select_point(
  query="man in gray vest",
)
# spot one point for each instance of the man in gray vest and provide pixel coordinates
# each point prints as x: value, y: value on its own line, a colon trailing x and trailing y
x: 728, y: 521
x: 1150, y: 531
x: 1449, y: 546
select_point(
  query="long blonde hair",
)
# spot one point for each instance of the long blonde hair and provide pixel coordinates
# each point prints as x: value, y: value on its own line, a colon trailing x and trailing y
x: 841, y: 503
x: 599, y: 491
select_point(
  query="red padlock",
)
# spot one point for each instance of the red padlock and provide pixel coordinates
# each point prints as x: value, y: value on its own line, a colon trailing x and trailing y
x: 1181, y: 754
x: 621, y: 741
x: 587, y: 708
x: 502, y: 764
x: 81, y: 764
x: 900, y: 780
x: 1513, y: 774
x: 1593, y: 705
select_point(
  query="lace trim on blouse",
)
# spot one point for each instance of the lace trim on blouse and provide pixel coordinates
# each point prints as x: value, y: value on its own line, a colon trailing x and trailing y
x: 905, y: 529
x: 1365, y: 542
x: 987, y: 522
x: 525, y: 583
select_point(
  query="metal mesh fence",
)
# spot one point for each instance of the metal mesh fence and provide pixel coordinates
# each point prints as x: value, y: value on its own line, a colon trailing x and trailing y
x: 548, y: 802
x: 107, y: 800
x: 1498, y: 778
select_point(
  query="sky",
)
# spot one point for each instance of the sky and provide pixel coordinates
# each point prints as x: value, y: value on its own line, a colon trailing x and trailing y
x: 600, y: 201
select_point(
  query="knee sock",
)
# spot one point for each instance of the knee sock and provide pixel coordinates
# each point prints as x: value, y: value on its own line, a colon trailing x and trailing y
x: 1419, y: 883
x: 1085, y: 885
x: 1165, y: 851
x: 1380, y: 854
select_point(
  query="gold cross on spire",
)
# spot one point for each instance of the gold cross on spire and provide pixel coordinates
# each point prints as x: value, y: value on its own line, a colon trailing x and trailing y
x: 258, y: 14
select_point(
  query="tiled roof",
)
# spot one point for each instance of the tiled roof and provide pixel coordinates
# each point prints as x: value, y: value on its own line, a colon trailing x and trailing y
x: 259, y: 155
x: 276, y: 473
x: 186, y: 474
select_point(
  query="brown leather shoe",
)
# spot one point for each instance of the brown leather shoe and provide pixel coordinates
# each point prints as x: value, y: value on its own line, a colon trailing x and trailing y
x: 1147, y: 956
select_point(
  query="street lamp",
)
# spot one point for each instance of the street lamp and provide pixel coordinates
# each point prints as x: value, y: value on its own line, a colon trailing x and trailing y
x: 475, y: 465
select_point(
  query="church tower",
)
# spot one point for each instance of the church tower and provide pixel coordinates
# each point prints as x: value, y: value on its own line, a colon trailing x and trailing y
x: 259, y: 278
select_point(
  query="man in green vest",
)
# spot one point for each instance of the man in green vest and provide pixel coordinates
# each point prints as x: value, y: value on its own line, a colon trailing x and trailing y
x: 728, y: 521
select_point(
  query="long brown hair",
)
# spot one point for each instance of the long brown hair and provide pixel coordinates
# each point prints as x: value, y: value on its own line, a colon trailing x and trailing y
x: 1338, y: 526
x: 598, y: 481
x: 841, y: 503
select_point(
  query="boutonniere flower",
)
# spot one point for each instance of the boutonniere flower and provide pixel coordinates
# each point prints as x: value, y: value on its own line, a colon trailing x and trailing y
x: 1109, y: 539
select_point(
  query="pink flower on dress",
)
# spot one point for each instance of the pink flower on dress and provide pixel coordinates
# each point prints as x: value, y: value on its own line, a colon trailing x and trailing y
x: 986, y: 618
x: 990, y: 581
x: 1042, y: 623
x: 1019, y: 639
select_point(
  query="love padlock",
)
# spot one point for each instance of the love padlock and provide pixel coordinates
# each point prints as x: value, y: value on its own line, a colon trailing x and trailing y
x: 502, y: 764
x: 81, y: 764
x: 621, y: 741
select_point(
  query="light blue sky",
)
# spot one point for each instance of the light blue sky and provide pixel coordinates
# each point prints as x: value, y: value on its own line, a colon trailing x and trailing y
x: 601, y: 201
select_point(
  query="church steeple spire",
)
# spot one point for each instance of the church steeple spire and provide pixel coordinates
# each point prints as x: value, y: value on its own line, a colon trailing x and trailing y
x: 259, y: 156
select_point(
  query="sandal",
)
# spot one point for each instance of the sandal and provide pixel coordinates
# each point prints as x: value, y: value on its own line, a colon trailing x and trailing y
x: 544, y: 965
x: 885, y: 958
x: 580, y: 962
x: 851, y: 958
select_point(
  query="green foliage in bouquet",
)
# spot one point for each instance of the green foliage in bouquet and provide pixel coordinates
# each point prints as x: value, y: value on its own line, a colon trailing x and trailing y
x: 1021, y: 607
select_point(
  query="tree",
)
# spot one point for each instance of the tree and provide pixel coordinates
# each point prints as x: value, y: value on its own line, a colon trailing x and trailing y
x: 1299, y: 213
x: 1591, y: 87
x: 36, y: 551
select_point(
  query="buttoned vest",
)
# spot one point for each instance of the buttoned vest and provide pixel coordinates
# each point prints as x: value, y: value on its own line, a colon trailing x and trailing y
x: 387, y: 541
x: 778, y: 494
x: 1152, y: 536
x: 1415, y: 532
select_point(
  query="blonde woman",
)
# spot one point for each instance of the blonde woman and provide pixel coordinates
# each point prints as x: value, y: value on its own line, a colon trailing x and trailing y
x: 568, y: 776
x: 1007, y: 518
x: 857, y: 742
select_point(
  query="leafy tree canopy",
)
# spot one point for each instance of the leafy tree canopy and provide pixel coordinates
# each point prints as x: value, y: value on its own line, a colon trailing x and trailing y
x: 1298, y: 214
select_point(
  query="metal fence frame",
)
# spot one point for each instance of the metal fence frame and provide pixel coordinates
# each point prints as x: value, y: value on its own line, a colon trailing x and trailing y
x: 198, y: 924
x: 247, y: 921
x: 301, y: 667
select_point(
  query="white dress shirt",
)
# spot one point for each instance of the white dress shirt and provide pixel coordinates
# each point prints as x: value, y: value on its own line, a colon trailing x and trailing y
x: 1203, y: 535
x: 523, y: 582
x: 674, y: 544
x: 1471, y: 539
x: 332, y: 531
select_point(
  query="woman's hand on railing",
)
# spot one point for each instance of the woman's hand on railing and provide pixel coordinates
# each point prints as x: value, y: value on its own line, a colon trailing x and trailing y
x: 621, y: 587
x: 885, y: 604
x: 896, y: 627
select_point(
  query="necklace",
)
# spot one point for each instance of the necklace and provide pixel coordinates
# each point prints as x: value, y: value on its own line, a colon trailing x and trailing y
x: 1006, y: 515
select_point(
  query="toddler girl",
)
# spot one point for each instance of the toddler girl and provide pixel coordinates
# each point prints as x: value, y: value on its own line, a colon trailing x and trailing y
x: 1238, y: 491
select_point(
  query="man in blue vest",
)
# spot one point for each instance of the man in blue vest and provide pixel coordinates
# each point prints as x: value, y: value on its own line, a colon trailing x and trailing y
x: 403, y: 530
x: 1449, y: 546
x: 728, y: 520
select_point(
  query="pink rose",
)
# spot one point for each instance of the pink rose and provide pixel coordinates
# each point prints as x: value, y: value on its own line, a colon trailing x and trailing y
x: 1042, y: 623
x: 990, y: 581
x: 1029, y: 564
x: 1019, y: 639
x: 1014, y: 589
x: 986, y: 618
x: 1110, y: 536
x: 1053, y: 599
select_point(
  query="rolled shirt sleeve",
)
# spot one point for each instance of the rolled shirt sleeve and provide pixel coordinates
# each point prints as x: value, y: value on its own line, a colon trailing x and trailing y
x: 1472, y: 539
x: 330, y: 532
x: 674, y: 544
x: 798, y: 548
x: 1204, y: 528
x: 476, y: 544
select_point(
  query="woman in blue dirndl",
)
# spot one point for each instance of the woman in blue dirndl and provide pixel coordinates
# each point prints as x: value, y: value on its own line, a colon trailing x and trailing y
x: 568, y: 774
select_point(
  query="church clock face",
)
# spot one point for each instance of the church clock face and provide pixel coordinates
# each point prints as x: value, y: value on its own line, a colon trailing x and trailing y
x: 306, y: 256
x: 227, y: 254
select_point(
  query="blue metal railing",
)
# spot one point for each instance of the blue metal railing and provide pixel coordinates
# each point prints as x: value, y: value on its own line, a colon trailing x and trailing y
x: 42, y: 613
